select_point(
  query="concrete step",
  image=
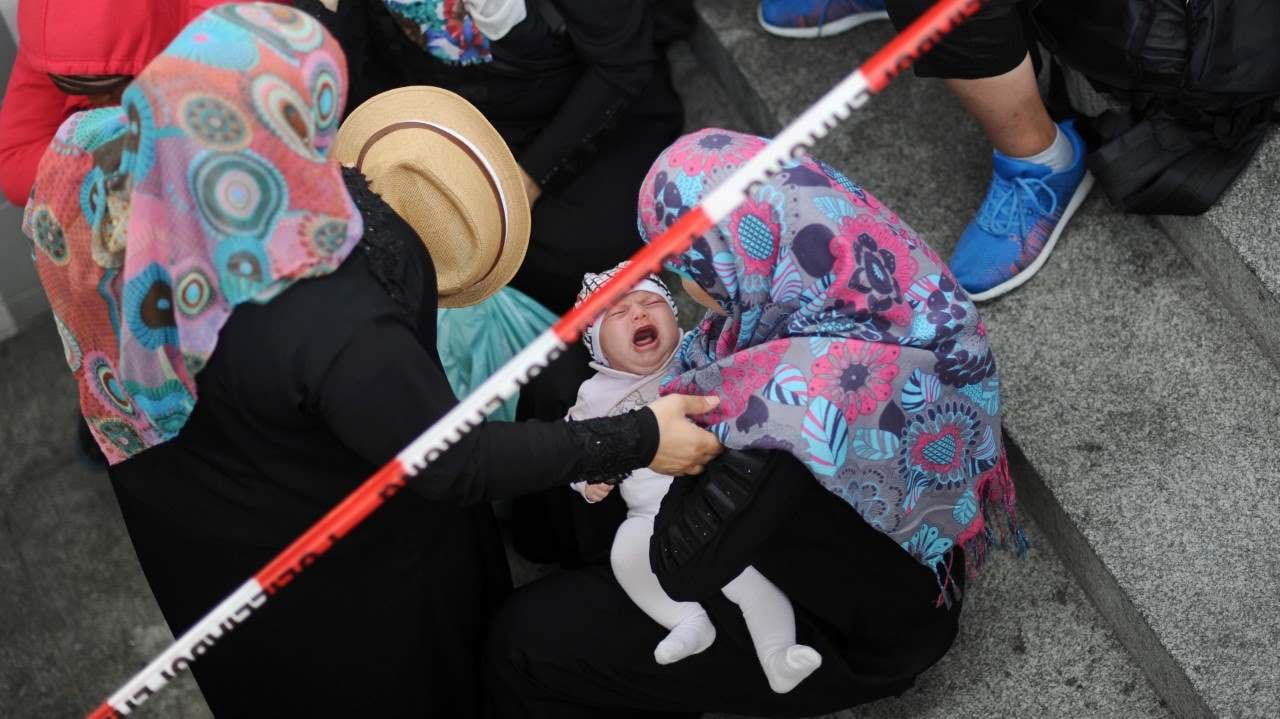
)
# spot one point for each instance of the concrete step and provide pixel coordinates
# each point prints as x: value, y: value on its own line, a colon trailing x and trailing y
x: 76, y: 615
x: 1144, y: 409
x: 1031, y: 644
x: 1236, y: 245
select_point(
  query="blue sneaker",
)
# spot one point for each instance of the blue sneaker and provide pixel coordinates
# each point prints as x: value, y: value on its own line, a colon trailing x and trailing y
x: 1019, y: 222
x: 817, y: 18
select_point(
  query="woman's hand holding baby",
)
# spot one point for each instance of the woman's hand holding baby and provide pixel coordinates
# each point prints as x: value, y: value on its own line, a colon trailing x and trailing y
x: 683, y: 447
x: 596, y: 492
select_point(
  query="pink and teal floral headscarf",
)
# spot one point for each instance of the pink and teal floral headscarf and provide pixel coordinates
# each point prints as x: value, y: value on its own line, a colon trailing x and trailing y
x: 208, y: 188
x: 845, y: 341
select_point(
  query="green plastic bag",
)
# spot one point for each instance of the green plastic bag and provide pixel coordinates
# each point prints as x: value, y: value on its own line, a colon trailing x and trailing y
x: 475, y: 341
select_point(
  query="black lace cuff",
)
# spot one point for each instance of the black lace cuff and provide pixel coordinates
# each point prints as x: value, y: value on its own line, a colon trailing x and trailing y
x: 614, y: 447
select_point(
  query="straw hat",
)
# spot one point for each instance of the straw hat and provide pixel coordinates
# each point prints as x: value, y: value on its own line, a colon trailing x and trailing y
x: 443, y: 168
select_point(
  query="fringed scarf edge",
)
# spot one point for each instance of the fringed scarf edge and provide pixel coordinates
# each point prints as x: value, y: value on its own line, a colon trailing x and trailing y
x: 996, y: 527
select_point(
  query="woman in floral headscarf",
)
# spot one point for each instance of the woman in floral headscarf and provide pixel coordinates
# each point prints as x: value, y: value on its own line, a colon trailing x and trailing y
x: 856, y: 371
x: 837, y: 335
x: 253, y: 333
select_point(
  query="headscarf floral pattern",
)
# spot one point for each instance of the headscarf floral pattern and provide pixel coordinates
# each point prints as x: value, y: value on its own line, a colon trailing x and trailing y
x: 845, y: 341
x: 210, y: 187
x: 443, y: 29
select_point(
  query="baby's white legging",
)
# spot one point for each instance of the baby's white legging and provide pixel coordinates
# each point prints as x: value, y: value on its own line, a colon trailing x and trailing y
x: 769, y: 617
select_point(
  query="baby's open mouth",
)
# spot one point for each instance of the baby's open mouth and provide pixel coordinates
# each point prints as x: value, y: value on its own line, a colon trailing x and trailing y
x: 645, y: 337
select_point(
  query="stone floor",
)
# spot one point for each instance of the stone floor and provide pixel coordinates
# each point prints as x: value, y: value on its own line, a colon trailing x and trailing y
x: 76, y: 616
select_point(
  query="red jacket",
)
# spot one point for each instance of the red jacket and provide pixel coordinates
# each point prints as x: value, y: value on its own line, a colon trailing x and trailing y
x: 74, y: 37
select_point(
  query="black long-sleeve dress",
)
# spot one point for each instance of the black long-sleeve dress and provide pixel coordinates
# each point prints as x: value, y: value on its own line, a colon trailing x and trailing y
x: 303, y: 398
x: 574, y: 646
x: 581, y: 92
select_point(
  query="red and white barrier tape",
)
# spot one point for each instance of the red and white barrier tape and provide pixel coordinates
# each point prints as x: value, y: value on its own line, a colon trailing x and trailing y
x: 794, y: 140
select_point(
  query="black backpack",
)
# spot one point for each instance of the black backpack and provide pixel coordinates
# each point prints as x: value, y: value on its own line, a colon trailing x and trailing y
x: 1201, y: 78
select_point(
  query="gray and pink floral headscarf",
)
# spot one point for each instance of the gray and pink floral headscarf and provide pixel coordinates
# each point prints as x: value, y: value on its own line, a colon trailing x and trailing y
x: 846, y: 342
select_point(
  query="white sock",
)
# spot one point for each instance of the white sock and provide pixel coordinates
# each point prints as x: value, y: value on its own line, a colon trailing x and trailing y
x: 786, y: 668
x: 772, y: 624
x: 691, y: 629
x: 687, y: 638
x: 1058, y: 155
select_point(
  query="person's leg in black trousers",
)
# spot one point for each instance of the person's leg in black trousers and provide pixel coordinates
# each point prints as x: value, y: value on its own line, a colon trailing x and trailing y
x: 575, y: 645
x: 989, y: 64
x: 588, y: 224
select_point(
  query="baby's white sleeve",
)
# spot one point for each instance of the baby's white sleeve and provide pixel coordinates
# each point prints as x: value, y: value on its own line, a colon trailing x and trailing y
x: 581, y: 488
x: 571, y: 415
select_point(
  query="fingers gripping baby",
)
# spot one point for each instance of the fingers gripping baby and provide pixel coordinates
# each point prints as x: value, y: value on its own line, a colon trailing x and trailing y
x: 632, y: 346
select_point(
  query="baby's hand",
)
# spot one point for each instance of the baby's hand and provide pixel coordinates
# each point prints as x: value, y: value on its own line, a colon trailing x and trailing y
x: 596, y: 492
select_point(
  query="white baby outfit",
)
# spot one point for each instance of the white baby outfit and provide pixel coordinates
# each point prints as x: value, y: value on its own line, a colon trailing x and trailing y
x: 767, y: 611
